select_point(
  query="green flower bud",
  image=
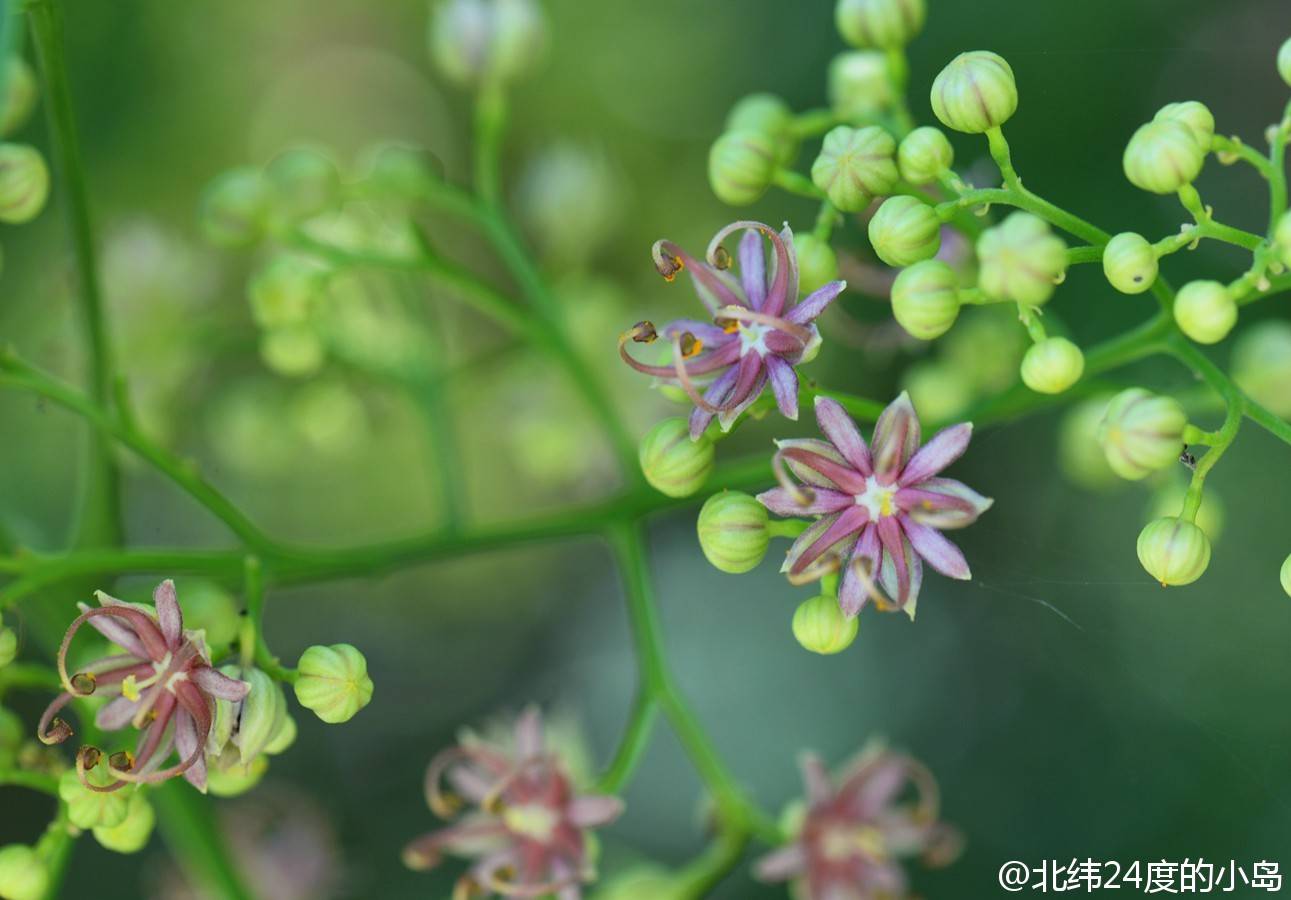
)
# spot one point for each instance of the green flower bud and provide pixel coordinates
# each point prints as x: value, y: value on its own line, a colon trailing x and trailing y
x: 474, y: 41
x: 860, y: 84
x: 259, y: 717
x: 741, y: 165
x: 975, y: 92
x: 820, y: 626
x: 1261, y: 365
x: 769, y: 115
x: 1173, y: 551
x: 8, y: 645
x: 985, y: 348
x: 23, y: 875
x: 333, y: 682
x: 1163, y: 156
x: 939, y: 391
x: 236, y: 780
x: 879, y: 24
x: 1021, y: 260
x: 283, y: 293
x: 24, y: 183
x: 1052, y: 365
x: 1142, y: 432
x: 1205, y: 311
x: 1130, y: 263
x: 1285, y: 574
x: 1169, y: 499
x: 925, y: 299
x: 398, y: 171
x: 925, y: 155
x: 1196, y: 116
x: 673, y: 463
x: 295, y: 351
x: 234, y: 208
x: 733, y: 532
x: 1284, y: 61
x: 19, y: 95
x: 1080, y: 454
x: 93, y: 809
x: 211, y: 609
x: 13, y: 733
x: 854, y: 165
x: 283, y: 738
x: 817, y: 262
x: 303, y: 182
x: 1282, y: 239
x: 904, y: 231
x: 133, y: 833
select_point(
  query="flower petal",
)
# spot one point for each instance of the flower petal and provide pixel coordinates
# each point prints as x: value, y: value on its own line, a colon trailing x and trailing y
x: 217, y: 684
x: 783, y: 502
x: 890, y: 581
x: 529, y: 734
x: 117, y: 631
x: 707, y: 332
x: 594, y: 810
x: 803, y: 472
x: 815, y: 303
x: 847, y: 524
x: 753, y: 268
x: 940, y: 553
x: 169, y: 615
x: 815, y: 778
x: 853, y: 592
x: 896, y: 437
x: 186, y: 743
x: 942, y: 503
x: 715, y: 395
x: 752, y: 378
x: 784, y: 384
x: 945, y: 447
x: 842, y: 432
x: 116, y: 713
x: 781, y: 864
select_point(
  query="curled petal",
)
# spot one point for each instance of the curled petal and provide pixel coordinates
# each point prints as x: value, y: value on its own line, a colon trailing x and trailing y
x: 217, y: 684
x: 149, y: 638
x: 945, y: 447
x: 940, y: 553
x: 896, y: 437
x: 169, y: 615
x: 777, y: 291
x: 815, y: 303
x: 784, y: 502
x: 842, y: 432
x: 714, y: 290
x: 753, y: 268
x: 116, y: 631
x: 942, y: 503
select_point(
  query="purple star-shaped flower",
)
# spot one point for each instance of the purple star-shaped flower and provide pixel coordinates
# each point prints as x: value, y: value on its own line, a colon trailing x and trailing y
x: 758, y: 333
x: 881, y: 509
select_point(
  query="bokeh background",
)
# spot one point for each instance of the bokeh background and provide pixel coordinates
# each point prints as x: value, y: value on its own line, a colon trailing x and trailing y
x: 1069, y: 706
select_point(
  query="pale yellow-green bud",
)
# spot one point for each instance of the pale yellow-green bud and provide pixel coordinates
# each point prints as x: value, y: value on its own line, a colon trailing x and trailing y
x: 1196, y: 116
x: 1285, y: 574
x: 925, y: 155
x: 19, y: 95
x: 333, y: 682
x: 93, y: 809
x: 303, y: 182
x: 1261, y: 365
x: 925, y: 299
x: 855, y: 165
x: 975, y: 92
x: 1173, y: 551
x: 1052, y: 366
x: 817, y: 262
x: 236, y: 780
x: 1130, y: 263
x: 1284, y: 66
x: 820, y: 626
x: 769, y: 115
x: 741, y: 165
x: 879, y: 24
x: 23, y: 874
x: 1021, y: 260
x: 672, y: 463
x: 1142, y: 433
x: 132, y: 834
x: 1282, y: 239
x: 860, y: 84
x: 24, y: 183
x: 8, y: 645
x: 234, y: 208
x: 1163, y: 156
x: 904, y: 231
x: 733, y: 532
x: 1205, y: 311
x: 295, y: 351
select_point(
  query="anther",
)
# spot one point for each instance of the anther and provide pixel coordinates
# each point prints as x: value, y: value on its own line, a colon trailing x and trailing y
x: 58, y: 732
x: 668, y: 266
x: 721, y: 258
x: 88, y: 757
x: 690, y: 345
x: 121, y: 761
x: 644, y: 332
x: 84, y: 683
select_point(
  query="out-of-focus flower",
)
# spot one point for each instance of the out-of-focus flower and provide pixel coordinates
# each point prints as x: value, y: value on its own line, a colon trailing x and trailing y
x: 883, y: 24
x: 1080, y: 454
x: 19, y: 95
x: 24, y: 183
x: 1262, y: 365
x: 234, y: 209
x: 937, y: 388
x: 570, y: 199
x: 478, y: 41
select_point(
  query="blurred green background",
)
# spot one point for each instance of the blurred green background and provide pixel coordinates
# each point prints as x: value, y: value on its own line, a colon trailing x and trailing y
x: 1069, y: 706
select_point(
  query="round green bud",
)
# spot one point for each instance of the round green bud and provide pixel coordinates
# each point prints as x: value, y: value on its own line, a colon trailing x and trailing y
x: 1169, y: 499
x: 283, y: 293
x: 474, y: 41
x: 399, y: 172
x: 673, y: 463
x: 925, y: 155
x: 23, y: 875
x: 234, y: 208
x: 1021, y: 260
x: 212, y: 610
x: 236, y: 780
x: 938, y: 390
x: 733, y: 532
x: 1142, y: 433
x: 1282, y: 239
x: 8, y: 645
x: 855, y: 165
x: 1052, y: 365
x: 879, y: 24
x: 93, y: 809
x: 1205, y: 311
x: 820, y: 626
x: 975, y: 92
x: 925, y: 299
x: 1080, y: 454
x: 817, y: 262
x: 1284, y: 61
x: 303, y: 182
x: 133, y: 833
x: 284, y: 737
x: 1261, y: 365
x: 1163, y: 156
x: 741, y: 165
x: 860, y: 84
x: 769, y: 115
x: 24, y: 183
x: 294, y: 351
x: 1285, y: 574
x: 260, y: 717
x: 333, y: 682
x: 1130, y: 263
x: 904, y: 231
x: 1196, y: 116
x: 1173, y: 551
x: 19, y: 95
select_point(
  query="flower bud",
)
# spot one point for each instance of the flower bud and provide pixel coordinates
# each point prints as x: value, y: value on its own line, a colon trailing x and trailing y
x: 333, y: 682
x: 1169, y: 499
x: 8, y: 645
x: 282, y: 294
x: 1196, y: 116
x: 820, y: 626
x: 293, y: 351
x: 817, y: 262
x: 1080, y: 453
x: 879, y: 24
x: 236, y: 780
x: 303, y: 182
x: 925, y: 155
x: 212, y: 610
x: 641, y: 882
x: 234, y: 208
x: 1163, y: 156
x: 733, y: 532
x: 399, y: 172
x: 741, y: 165
x: 854, y: 165
x: 1021, y: 260
x: 1205, y: 311
x: 769, y: 115
x: 92, y: 809
x: 23, y: 875
x: 975, y: 92
x: 133, y: 833
x: 1130, y: 263
x: 925, y: 299
x: 937, y: 389
x: 474, y: 41
x: 257, y: 719
x: 1285, y: 574
x: 860, y: 84
x: 24, y: 183
x: 1261, y: 365
x: 673, y: 463
x: 1052, y: 365
x: 1142, y: 432
x: 19, y: 95
x: 904, y: 231
x: 1282, y: 239
x: 1173, y: 551
x: 1284, y: 61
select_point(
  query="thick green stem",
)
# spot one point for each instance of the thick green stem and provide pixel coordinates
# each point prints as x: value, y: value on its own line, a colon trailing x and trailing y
x: 188, y: 825
x: 636, y: 738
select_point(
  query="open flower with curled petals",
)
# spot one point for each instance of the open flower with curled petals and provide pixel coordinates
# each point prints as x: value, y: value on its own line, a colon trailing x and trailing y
x: 527, y: 826
x: 881, y: 508
x: 857, y: 828
x: 162, y: 684
x: 758, y: 332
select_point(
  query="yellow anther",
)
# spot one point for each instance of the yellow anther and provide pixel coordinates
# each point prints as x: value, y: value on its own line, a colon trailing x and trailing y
x: 690, y: 345
x: 130, y: 688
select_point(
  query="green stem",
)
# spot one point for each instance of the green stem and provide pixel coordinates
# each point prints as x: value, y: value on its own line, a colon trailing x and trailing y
x: 1195, y: 360
x: 1240, y: 149
x: 636, y: 738
x: 1277, y: 169
x: 700, y: 877
x: 253, y: 586
x: 797, y: 183
x: 36, y: 781
x: 191, y: 831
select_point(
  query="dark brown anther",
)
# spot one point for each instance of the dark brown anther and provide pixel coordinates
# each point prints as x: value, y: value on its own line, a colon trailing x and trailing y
x: 84, y: 683
x: 721, y: 259
x: 644, y: 332
x: 1187, y: 458
x: 690, y: 345
x: 88, y: 757
x: 59, y: 731
x: 668, y: 266
x: 122, y: 761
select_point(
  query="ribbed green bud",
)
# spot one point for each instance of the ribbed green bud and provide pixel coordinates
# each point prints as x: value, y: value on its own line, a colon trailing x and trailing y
x: 1130, y: 263
x: 1169, y: 499
x: 925, y: 155
x: 741, y: 165
x: 235, y: 208
x: 1021, y: 260
x: 303, y: 182
x: 817, y: 262
x: 1163, y: 156
x: 283, y: 737
x: 1052, y: 365
x: 904, y: 231
x: 1285, y: 574
x: 93, y: 809
x: 860, y: 84
x: 769, y: 115
x: 212, y: 610
x: 236, y: 780
x: 477, y: 41
x: 1196, y: 116
x: 133, y: 833
x: 1174, y: 551
x: 925, y: 299
x: 1205, y: 311
x: 1080, y: 454
x: 23, y: 875
x: 24, y: 183
x: 1284, y: 61
x: 1282, y: 239
x: 733, y: 532
x: 879, y: 24
x: 19, y: 95
x: 673, y: 463
x: 333, y: 682
x: 975, y: 92
x: 820, y: 626
x: 261, y: 716
x: 1261, y: 365
x: 1142, y: 433
x: 8, y: 645
x: 855, y: 165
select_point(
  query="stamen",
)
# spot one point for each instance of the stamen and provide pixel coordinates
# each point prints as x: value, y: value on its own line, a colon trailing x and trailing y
x: 643, y: 332
x: 84, y: 683
x: 667, y: 264
x: 802, y: 495
x: 122, y: 761
x: 721, y: 258
x: 690, y: 345
x: 864, y: 569
x: 88, y: 757
x: 58, y: 732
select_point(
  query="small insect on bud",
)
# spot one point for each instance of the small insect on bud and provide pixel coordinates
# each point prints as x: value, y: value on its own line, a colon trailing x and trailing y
x: 925, y: 299
x: 925, y: 155
x: 1174, y: 551
x: 234, y: 208
x: 23, y: 875
x: 1163, y: 156
x: 820, y: 626
x: 88, y: 808
x: 1285, y: 574
x: 855, y: 165
x: 132, y: 834
x: 1130, y: 263
x: 879, y: 24
x: 860, y: 84
x: 1196, y: 116
x: 1021, y: 260
x: 1205, y: 311
x: 904, y: 231
x: 303, y: 182
x: 1284, y: 61
x: 769, y: 115
x: 817, y: 262
x: 476, y: 41
x: 333, y: 682
x: 672, y: 463
x: 741, y: 165
x: 1052, y: 365
x: 1141, y: 433
x: 975, y: 92
x: 1261, y: 365
x: 1282, y: 239
x: 24, y: 183
x: 733, y: 532
x: 19, y: 95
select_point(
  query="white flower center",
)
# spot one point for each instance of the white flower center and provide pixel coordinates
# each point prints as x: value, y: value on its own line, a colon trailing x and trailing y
x: 531, y: 821
x: 877, y: 499
x: 753, y: 338
x: 844, y: 842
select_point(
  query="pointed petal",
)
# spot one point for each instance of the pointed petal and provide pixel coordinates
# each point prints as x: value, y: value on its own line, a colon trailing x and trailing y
x: 853, y: 593
x: 753, y: 268
x: 784, y: 383
x: 116, y: 713
x: 782, y: 864
x: 169, y: 615
x: 815, y: 778
x: 217, y: 684
x: 940, y: 553
x: 812, y: 474
x: 594, y: 810
x: 901, y: 572
x: 896, y: 437
x: 529, y: 733
x: 878, y: 784
x: 842, y: 432
x: 942, y: 503
x: 815, y: 303
x: 824, y: 501
x: 716, y: 395
x: 847, y: 525
x: 186, y: 742
x: 748, y: 387
x: 945, y: 447
x: 118, y: 632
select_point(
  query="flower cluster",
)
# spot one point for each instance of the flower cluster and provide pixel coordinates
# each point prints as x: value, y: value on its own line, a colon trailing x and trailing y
x: 24, y: 176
